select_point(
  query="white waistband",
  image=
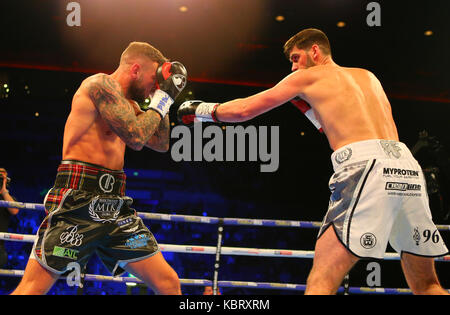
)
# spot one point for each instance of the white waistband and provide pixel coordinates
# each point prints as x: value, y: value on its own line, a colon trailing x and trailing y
x: 369, y: 149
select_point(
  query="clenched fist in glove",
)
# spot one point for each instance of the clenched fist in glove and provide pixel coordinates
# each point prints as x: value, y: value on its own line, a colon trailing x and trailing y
x: 171, y: 79
x: 193, y: 111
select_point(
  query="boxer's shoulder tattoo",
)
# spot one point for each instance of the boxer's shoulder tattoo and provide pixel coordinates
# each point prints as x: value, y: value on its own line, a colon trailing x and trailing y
x: 107, y: 96
x: 105, y: 91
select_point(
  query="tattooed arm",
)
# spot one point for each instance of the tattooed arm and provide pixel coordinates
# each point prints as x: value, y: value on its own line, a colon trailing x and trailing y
x: 107, y: 96
x: 160, y: 139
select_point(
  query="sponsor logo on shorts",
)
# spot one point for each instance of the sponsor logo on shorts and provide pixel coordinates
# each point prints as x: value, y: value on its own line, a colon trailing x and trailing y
x: 399, y: 172
x: 105, y: 209
x: 343, y: 156
x: 402, y: 186
x: 106, y: 183
x: 71, y: 236
x: 391, y: 148
x: 137, y: 241
x: 65, y: 253
x: 368, y: 240
x: 125, y: 222
x: 416, y: 236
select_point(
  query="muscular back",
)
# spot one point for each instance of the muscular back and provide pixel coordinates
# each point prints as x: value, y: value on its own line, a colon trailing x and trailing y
x: 350, y: 104
x: 87, y: 137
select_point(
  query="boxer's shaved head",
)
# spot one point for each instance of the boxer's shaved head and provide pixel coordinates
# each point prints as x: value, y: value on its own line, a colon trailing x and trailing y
x: 140, y: 61
x: 139, y: 50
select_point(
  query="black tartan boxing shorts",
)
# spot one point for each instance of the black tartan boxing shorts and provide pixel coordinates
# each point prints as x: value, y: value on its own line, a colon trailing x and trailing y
x: 87, y: 213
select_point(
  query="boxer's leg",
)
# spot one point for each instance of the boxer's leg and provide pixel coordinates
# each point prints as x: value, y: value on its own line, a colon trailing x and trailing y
x: 157, y: 274
x: 332, y: 261
x: 36, y: 280
x: 421, y: 275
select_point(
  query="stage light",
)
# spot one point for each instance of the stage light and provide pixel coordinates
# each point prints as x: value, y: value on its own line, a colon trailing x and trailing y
x: 428, y: 33
x: 279, y: 18
x: 340, y: 24
x: 183, y: 9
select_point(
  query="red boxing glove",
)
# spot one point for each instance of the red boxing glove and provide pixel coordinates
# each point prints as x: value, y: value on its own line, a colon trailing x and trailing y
x: 306, y: 109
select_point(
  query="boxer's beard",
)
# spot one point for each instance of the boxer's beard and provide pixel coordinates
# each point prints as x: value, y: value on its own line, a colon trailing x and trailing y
x: 136, y: 92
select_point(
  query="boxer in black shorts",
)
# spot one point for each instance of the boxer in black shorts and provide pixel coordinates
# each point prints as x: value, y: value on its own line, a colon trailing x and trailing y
x: 88, y: 211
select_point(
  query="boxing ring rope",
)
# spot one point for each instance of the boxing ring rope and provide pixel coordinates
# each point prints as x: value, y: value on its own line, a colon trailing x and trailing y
x: 211, y: 250
x: 227, y: 284
x: 188, y: 218
x: 202, y: 219
x: 241, y: 251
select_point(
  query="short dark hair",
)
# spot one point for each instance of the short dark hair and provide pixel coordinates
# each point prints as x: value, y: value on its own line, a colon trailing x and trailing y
x: 142, y: 49
x: 305, y: 39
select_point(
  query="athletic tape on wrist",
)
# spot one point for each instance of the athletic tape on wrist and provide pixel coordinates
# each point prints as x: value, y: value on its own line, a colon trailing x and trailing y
x: 205, y: 112
x: 161, y: 102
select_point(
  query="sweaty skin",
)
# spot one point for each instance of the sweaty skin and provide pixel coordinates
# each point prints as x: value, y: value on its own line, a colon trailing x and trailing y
x: 350, y: 103
x: 103, y: 121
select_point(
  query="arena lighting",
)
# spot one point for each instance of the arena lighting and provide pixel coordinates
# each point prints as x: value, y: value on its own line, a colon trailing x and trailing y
x: 131, y: 284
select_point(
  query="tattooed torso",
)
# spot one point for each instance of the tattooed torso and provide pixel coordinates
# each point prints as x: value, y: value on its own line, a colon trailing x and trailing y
x: 102, y: 122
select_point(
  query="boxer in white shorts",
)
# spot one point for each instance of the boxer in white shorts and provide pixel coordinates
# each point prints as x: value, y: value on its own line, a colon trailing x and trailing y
x: 379, y: 195
x: 378, y: 192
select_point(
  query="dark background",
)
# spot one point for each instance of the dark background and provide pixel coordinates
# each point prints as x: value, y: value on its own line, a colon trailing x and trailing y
x: 231, y: 49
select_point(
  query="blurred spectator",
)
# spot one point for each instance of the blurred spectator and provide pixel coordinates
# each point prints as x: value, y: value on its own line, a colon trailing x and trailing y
x: 434, y: 160
x: 5, y: 213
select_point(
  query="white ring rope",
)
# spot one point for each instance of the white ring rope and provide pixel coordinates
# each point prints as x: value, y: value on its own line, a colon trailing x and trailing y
x: 201, y: 219
x: 211, y: 250
x: 229, y: 284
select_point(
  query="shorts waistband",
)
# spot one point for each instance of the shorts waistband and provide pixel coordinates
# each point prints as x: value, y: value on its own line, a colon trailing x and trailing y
x: 90, y: 177
x: 369, y: 149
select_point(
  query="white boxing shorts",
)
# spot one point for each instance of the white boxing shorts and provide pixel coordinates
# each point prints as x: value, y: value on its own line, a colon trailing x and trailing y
x: 379, y: 194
